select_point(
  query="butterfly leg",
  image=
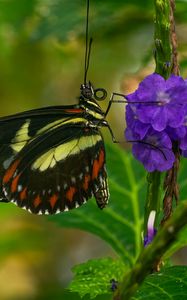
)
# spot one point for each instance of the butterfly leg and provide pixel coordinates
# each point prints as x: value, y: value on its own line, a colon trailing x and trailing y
x: 112, y: 134
x: 112, y: 100
x: 133, y: 141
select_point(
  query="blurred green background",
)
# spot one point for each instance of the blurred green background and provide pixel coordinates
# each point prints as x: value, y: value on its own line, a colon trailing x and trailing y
x: 42, y: 45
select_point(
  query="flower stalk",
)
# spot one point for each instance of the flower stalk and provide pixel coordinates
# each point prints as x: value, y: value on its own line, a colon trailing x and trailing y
x: 164, y: 38
x: 153, y: 198
x: 170, y: 183
x: 149, y: 259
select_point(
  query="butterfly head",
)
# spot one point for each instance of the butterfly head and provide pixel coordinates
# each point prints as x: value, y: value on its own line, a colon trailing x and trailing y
x: 89, y: 93
x: 89, y: 101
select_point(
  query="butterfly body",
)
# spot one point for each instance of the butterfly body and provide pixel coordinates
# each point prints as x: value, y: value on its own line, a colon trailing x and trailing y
x: 53, y: 159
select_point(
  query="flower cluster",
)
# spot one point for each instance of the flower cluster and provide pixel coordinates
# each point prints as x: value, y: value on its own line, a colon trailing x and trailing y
x: 156, y: 117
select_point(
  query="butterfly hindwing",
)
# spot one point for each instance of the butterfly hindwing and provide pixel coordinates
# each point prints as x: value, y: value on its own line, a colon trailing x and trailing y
x: 59, y: 169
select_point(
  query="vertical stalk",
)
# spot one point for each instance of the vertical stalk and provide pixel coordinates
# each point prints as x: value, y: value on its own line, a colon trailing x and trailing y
x: 170, y: 183
x: 163, y: 61
x: 175, y: 65
x: 153, y: 197
x: 164, y: 66
x: 162, y: 38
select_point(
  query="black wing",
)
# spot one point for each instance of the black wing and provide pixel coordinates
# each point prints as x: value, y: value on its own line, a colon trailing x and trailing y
x: 16, y: 131
x: 58, y: 169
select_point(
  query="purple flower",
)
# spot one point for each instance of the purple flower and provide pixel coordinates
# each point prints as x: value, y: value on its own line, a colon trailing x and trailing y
x: 156, y: 117
x: 169, y: 98
x: 139, y: 129
x: 176, y: 134
x: 154, y: 151
x: 183, y: 144
x: 151, y: 231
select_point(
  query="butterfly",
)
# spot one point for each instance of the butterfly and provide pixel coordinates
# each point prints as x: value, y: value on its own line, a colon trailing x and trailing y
x: 52, y: 159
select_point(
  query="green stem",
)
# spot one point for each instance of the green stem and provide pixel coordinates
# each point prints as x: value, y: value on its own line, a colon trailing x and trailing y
x: 162, y: 37
x: 163, y: 240
x: 163, y: 58
x: 153, y: 197
x: 153, y: 253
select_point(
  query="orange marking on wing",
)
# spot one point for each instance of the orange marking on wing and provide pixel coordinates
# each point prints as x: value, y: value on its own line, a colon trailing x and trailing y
x: 74, y: 110
x: 37, y: 201
x: 53, y: 200
x: 23, y: 194
x: 14, y: 183
x: 86, y: 182
x: 98, y: 163
x: 10, y: 171
x: 70, y: 193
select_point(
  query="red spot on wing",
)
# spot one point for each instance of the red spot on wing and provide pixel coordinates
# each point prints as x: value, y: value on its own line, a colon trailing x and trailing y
x: 70, y: 193
x: 14, y: 183
x: 74, y: 110
x: 37, y: 201
x: 53, y: 200
x: 10, y: 171
x: 23, y: 194
x: 98, y: 164
x: 86, y: 182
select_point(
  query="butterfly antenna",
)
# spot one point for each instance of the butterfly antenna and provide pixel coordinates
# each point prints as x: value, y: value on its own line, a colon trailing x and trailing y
x: 88, y: 44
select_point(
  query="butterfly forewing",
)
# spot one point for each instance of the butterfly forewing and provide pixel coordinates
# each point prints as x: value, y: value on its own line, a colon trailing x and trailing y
x: 17, y: 130
x: 59, y: 167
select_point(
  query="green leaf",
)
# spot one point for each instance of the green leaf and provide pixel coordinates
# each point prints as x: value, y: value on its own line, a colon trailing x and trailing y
x: 120, y: 224
x: 94, y: 276
x: 62, y: 21
x: 171, y: 284
x: 16, y: 13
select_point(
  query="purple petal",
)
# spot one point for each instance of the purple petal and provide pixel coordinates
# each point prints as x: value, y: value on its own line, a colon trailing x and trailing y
x: 129, y: 134
x: 164, y: 140
x: 132, y: 97
x: 173, y: 81
x: 141, y: 129
x: 153, y: 82
x: 149, y: 239
x: 130, y: 116
x: 176, y: 134
x: 159, y: 120
x: 175, y: 115
x: 183, y: 142
x: 146, y: 112
x: 178, y: 94
x: 166, y: 162
x: 138, y: 128
x: 147, y: 90
x: 159, y: 157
